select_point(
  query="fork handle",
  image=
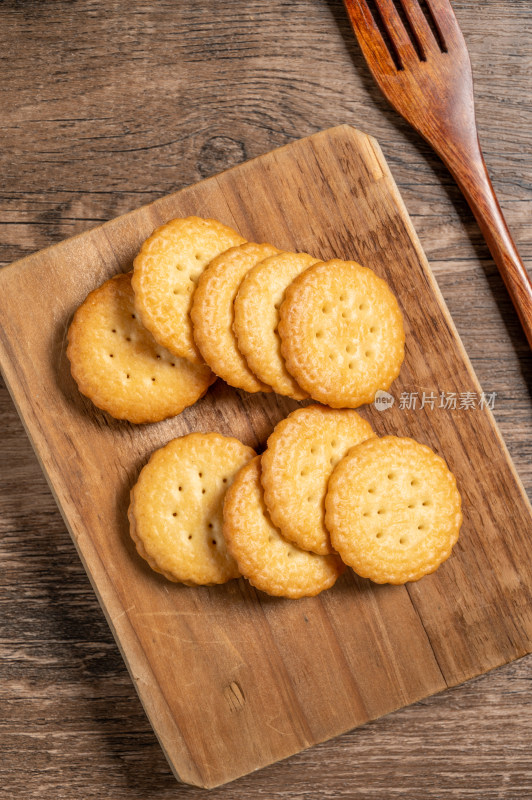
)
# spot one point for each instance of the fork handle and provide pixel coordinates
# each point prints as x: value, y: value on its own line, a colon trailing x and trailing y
x: 471, y: 174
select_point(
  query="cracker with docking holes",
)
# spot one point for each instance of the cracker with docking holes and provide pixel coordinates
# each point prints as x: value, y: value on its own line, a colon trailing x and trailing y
x: 212, y: 314
x: 165, y: 273
x: 118, y: 364
x: 264, y: 557
x: 393, y: 510
x: 301, y: 454
x: 342, y: 333
x: 257, y: 318
x: 176, y: 508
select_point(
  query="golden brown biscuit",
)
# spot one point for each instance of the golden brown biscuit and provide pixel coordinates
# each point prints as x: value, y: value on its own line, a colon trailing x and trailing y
x: 301, y: 454
x: 393, y: 510
x: 341, y: 333
x: 118, y: 364
x: 165, y: 273
x: 257, y: 317
x: 176, y: 507
x: 268, y: 561
x: 212, y: 314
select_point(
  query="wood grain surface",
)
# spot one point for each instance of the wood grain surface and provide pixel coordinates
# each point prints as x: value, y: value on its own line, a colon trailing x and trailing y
x: 231, y: 679
x: 106, y: 108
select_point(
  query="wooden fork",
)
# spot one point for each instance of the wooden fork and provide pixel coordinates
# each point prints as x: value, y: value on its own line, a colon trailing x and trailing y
x: 419, y: 58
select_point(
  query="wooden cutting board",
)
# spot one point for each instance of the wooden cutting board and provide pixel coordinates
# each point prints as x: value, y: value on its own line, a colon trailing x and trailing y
x: 232, y: 679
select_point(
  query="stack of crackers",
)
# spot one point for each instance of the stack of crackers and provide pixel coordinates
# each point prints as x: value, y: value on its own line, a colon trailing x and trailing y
x: 203, y: 302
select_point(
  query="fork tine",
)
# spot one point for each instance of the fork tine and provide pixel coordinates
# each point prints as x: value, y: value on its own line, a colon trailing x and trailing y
x: 420, y: 27
x: 397, y: 32
x: 369, y: 37
x: 446, y: 22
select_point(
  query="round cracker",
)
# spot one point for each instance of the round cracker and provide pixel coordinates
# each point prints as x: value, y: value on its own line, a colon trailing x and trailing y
x: 176, y: 507
x: 257, y: 317
x: 264, y: 557
x: 302, y: 452
x: 342, y: 333
x: 165, y: 273
x: 212, y: 314
x: 118, y: 364
x: 393, y: 510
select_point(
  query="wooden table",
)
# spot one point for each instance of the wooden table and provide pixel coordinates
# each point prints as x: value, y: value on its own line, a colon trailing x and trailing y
x: 108, y: 105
